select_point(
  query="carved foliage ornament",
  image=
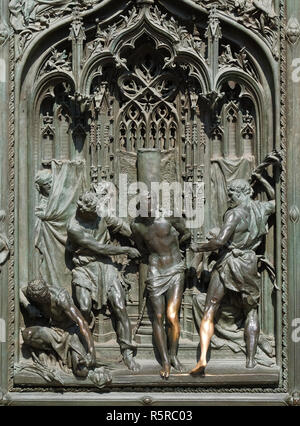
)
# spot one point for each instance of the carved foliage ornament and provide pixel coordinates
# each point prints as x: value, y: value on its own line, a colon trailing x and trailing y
x: 34, y: 15
x: 136, y: 19
x: 257, y: 15
x: 29, y: 17
x: 240, y: 60
x: 293, y: 30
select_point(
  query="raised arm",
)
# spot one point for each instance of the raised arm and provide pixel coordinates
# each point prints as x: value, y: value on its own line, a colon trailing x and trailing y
x: 274, y: 158
x: 266, y: 185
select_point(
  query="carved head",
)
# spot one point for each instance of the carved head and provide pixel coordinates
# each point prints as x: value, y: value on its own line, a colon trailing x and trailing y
x: 238, y: 191
x: 37, y: 292
x: 87, y: 204
x: 43, y: 182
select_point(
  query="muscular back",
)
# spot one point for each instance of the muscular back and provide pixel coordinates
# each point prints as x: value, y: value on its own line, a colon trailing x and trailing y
x: 249, y: 223
x: 242, y: 222
x: 60, y: 303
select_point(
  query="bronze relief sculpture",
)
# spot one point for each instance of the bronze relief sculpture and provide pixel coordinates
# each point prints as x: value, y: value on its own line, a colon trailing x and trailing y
x: 94, y: 276
x: 64, y: 332
x: 159, y: 237
x: 147, y: 203
x: 236, y: 269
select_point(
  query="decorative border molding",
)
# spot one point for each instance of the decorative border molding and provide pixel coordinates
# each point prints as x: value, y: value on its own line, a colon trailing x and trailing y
x: 11, y: 213
x: 284, y: 188
x: 283, y: 387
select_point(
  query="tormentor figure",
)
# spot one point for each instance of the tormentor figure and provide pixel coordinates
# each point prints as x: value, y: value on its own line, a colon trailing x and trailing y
x: 245, y: 224
x: 95, y: 277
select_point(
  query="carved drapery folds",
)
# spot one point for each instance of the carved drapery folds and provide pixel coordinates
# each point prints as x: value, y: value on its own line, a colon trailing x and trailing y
x: 145, y: 78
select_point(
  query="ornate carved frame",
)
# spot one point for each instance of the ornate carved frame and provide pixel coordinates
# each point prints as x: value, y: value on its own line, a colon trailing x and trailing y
x: 278, y: 395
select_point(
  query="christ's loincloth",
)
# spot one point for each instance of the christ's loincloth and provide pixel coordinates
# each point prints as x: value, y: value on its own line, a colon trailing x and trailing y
x: 160, y: 284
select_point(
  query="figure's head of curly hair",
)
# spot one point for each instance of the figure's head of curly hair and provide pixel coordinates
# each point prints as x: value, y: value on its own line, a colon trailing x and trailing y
x: 241, y: 186
x: 87, y: 203
x: 42, y: 178
x: 38, y: 292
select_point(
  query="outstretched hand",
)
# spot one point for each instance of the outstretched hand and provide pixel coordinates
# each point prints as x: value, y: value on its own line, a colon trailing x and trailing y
x: 90, y: 360
x: 133, y: 253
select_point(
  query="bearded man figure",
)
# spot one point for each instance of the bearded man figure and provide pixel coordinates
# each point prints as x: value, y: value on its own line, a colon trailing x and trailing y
x: 245, y: 225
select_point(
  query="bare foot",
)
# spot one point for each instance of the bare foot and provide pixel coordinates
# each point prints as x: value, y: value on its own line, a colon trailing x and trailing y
x: 131, y: 363
x: 200, y: 368
x: 165, y: 371
x: 266, y: 346
x: 250, y: 363
x: 176, y: 364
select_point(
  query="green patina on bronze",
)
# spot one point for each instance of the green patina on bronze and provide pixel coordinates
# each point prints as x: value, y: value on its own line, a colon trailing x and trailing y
x: 187, y: 91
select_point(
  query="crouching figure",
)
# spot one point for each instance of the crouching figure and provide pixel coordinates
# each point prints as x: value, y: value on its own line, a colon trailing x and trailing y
x: 65, y: 333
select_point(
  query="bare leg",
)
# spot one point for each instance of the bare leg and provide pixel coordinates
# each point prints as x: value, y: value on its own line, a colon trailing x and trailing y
x: 252, y: 330
x: 124, y: 334
x: 79, y: 365
x: 84, y: 300
x: 174, y: 297
x: 214, y: 297
x: 160, y: 338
